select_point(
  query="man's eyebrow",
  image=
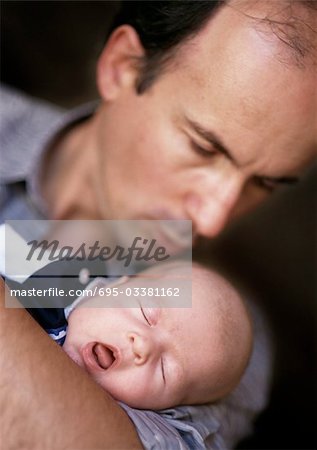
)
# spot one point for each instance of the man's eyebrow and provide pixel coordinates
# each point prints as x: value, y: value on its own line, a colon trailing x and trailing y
x: 212, y: 138
x: 215, y: 140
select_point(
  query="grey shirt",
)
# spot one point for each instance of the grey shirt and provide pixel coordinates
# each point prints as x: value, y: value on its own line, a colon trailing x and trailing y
x: 26, y: 128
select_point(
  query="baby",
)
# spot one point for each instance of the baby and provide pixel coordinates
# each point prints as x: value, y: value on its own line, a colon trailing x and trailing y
x: 155, y: 358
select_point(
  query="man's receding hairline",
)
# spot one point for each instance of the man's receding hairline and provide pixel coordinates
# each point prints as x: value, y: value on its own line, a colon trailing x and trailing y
x: 293, y: 31
x: 301, y: 53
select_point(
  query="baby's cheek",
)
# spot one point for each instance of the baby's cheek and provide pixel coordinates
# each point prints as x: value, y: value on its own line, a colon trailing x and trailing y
x: 127, y: 387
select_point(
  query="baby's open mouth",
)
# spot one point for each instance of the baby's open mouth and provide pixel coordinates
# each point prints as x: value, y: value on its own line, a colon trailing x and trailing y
x: 104, y: 356
x: 97, y: 356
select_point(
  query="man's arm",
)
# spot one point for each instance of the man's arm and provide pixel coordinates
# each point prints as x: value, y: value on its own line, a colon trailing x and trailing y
x: 46, y: 400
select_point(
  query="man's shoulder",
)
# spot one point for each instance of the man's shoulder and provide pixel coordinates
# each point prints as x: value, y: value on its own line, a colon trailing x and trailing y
x: 24, y: 121
x: 15, y: 105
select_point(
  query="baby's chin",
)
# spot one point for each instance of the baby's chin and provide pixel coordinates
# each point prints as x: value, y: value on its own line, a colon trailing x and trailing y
x: 73, y: 355
x: 153, y: 404
x: 144, y: 402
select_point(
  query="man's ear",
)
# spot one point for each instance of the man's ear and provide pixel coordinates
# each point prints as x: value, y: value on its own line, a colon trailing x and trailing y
x: 117, y: 68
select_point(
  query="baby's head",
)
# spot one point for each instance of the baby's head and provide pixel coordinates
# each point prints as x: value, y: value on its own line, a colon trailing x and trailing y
x: 155, y: 358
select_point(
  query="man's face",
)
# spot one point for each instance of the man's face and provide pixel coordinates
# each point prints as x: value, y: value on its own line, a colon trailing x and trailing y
x: 150, y: 357
x: 223, y: 126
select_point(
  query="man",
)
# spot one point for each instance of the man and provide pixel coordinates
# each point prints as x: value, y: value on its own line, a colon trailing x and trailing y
x: 201, y: 131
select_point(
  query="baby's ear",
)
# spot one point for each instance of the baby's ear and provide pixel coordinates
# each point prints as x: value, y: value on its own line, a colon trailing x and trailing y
x: 117, y: 67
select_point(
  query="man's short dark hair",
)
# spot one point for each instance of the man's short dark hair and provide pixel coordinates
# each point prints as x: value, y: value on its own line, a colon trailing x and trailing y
x: 163, y: 26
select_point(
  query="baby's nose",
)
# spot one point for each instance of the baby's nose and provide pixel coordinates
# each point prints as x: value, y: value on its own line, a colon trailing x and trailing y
x: 142, y: 348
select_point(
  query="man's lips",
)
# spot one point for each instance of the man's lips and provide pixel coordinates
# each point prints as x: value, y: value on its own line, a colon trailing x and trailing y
x: 99, y: 357
x: 178, y: 232
x: 174, y: 234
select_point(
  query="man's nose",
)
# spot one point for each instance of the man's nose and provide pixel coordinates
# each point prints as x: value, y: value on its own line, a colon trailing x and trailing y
x: 142, y: 347
x: 210, y: 204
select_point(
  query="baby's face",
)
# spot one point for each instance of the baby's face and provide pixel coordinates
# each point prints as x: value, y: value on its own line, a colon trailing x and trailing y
x: 150, y: 357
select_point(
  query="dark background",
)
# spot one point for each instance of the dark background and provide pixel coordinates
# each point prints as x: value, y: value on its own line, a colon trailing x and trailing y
x: 49, y: 49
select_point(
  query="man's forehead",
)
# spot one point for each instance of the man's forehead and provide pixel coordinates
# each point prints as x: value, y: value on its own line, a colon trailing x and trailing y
x: 229, y: 45
x: 288, y: 28
x: 241, y: 83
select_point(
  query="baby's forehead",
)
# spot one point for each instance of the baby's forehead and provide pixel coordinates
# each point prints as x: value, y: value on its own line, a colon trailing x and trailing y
x: 208, y: 283
x: 204, y: 280
x: 182, y: 269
